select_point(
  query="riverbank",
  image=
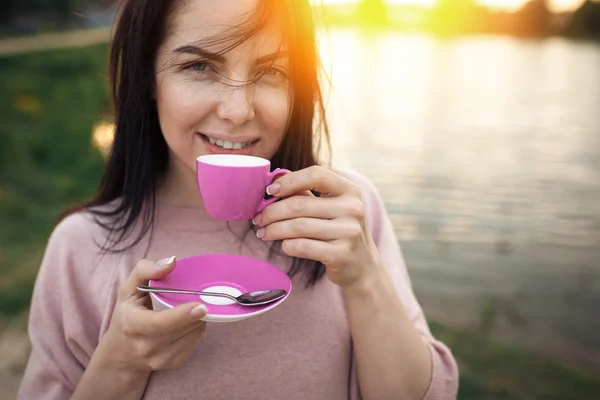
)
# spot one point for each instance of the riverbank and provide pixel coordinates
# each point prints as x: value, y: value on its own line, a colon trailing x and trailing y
x: 53, y: 41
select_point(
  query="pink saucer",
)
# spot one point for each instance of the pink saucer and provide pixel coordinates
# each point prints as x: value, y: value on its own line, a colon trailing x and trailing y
x: 225, y: 273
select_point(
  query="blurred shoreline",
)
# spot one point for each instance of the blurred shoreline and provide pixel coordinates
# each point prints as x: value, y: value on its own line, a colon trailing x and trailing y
x: 534, y: 19
x: 53, y: 41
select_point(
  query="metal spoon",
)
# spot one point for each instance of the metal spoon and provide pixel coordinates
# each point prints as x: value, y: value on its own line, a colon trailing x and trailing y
x: 255, y: 298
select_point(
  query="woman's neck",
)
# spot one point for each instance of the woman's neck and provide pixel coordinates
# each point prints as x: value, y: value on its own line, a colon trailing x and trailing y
x: 179, y: 187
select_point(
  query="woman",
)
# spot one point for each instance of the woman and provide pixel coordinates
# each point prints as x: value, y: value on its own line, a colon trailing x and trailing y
x: 194, y: 77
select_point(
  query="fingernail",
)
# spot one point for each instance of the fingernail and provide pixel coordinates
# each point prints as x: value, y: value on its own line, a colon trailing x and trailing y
x: 257, y: 219
x: 198, y: 311
x: 260, y: 233
x: 165, y: 262
x: 273, y: 188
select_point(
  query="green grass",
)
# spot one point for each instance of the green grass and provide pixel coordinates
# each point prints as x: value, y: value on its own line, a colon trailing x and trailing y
x: 50, y: 103
x: 494, y: 371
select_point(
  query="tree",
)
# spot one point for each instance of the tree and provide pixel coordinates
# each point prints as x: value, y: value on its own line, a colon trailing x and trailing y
x: 534, y: 19
x: 58, y: 12
x: 586, y: 20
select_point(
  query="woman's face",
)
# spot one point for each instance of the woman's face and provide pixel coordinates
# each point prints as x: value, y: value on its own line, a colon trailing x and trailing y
x: 215, y: 104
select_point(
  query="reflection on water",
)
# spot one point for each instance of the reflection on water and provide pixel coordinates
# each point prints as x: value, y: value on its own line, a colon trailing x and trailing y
x: 487, y: 154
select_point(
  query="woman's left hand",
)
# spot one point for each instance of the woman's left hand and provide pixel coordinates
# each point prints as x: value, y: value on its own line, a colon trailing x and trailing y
x: 330, y: 229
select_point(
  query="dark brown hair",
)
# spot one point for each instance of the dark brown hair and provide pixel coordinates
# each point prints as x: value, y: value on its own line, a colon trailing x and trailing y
x: 139, y: 155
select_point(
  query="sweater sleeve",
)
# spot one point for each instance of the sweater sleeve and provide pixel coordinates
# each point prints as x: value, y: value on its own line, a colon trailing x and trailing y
x: 444, y: 381
x: 63, y: 328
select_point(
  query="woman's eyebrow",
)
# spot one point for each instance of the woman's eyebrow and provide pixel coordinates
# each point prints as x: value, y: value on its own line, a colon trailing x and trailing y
x: 198, y: 51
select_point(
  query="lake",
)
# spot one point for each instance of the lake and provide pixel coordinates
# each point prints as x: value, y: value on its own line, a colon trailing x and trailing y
x: 486, y: 151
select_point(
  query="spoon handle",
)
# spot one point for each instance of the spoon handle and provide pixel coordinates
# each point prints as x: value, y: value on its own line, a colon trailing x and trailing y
x: 154, y: 289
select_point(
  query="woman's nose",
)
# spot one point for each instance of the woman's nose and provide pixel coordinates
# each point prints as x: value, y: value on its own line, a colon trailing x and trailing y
x: 237, y: 104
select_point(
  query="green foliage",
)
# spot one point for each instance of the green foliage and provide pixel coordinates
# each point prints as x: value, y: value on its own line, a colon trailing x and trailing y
x: 494, y: 371
x: 62, y: 8
x: 50, y: 103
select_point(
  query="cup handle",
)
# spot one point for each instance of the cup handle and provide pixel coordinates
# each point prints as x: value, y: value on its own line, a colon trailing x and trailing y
x: 271, y: 177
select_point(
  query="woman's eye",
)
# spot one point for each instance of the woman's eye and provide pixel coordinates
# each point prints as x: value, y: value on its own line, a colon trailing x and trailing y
x: 199, y: 66
x: 271, y: 71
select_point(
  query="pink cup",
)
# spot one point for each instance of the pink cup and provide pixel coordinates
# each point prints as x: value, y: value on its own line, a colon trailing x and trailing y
x: 233, y: 186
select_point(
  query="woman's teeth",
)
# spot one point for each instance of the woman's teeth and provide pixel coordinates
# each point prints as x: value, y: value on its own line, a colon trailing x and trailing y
x: 228, y: 145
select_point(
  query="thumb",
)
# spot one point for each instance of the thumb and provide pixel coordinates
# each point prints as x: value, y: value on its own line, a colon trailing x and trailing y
x: 146, y: 270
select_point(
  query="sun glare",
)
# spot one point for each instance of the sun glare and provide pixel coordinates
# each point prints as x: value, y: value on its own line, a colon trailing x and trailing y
x: 557, y: 5
x: 427, y: 3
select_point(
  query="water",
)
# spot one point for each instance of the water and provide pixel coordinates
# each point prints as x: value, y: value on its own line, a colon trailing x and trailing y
x: 486, y: 151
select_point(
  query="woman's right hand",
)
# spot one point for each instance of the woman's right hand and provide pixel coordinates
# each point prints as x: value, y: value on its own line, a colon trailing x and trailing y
x: 140, y: 339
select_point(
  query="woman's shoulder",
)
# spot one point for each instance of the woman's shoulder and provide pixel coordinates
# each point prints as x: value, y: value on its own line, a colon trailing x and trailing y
x: 81, y: 234
x: 76, y: 251
x: 78, y: 227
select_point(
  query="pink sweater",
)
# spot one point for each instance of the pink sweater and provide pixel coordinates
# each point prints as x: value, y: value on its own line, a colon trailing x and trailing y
x: 300, y: 350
